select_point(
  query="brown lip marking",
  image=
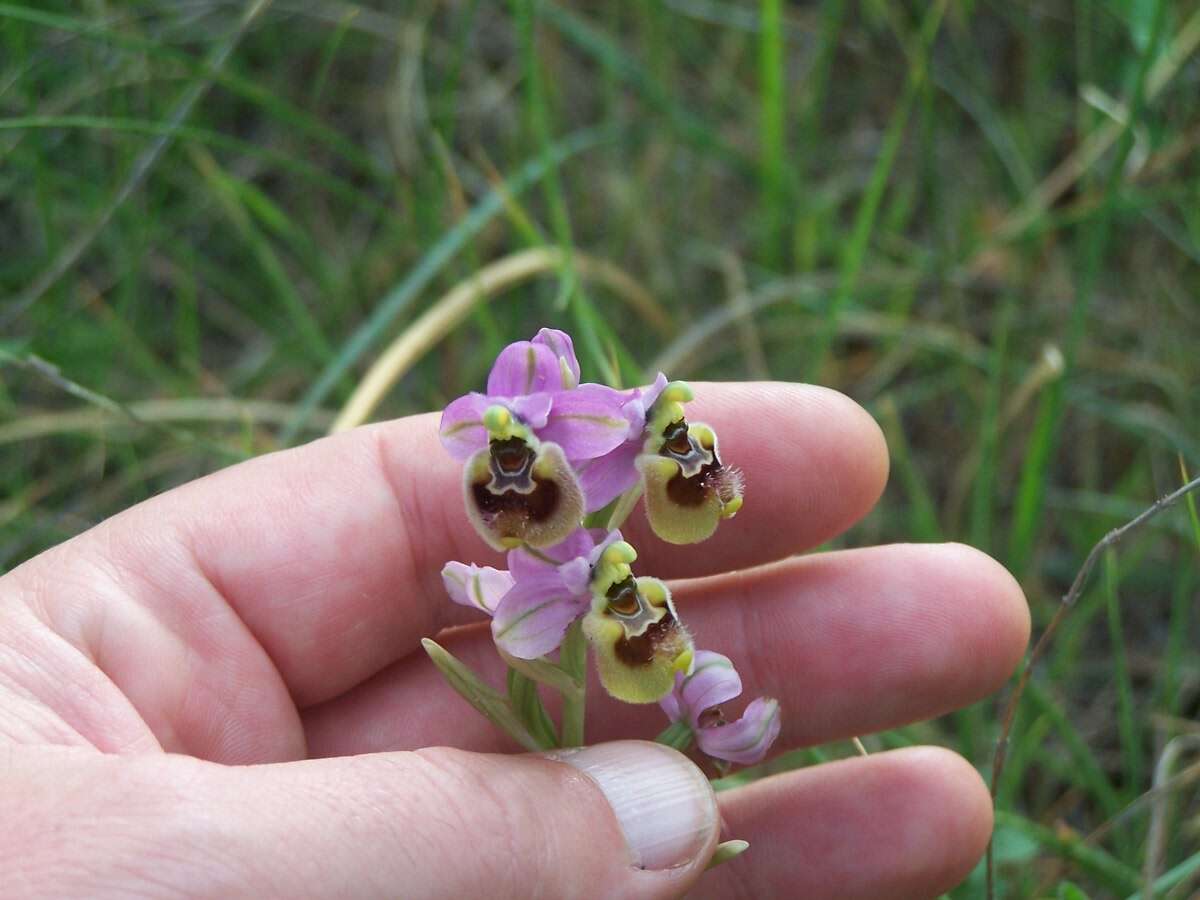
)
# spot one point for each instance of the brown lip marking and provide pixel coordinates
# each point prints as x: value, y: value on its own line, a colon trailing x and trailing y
x: 693, y: 491
x: 640, y: 650
x: 536, y: 506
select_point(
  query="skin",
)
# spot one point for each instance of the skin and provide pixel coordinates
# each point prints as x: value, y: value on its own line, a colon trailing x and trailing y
x: 221, y: 690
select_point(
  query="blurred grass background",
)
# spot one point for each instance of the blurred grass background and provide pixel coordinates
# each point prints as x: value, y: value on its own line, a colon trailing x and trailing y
x: 980, y: 219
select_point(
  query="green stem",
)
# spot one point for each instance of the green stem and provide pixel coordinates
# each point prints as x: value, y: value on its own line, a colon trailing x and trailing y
x: 678, y: 735
x: 625, y: 506
x: 573, y: 661
x: 539, y: 555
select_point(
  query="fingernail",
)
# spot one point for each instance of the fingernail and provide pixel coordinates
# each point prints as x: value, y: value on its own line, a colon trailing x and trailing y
x: 664, y: 804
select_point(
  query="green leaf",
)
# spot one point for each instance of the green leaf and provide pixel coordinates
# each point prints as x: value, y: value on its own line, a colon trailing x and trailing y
x: 1190, y: 500
x: 1173, y: 877
x: 1139, y: 14
x: 494, y: 707
x: 726, y: 851
x: 12, y: 349
x: 1070, y: 891
x: 1116, y: 877
x: 545, y: 672
x: 524, y: 699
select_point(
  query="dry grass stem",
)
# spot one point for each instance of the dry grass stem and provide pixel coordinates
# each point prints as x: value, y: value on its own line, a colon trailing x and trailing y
x: 454, y: 306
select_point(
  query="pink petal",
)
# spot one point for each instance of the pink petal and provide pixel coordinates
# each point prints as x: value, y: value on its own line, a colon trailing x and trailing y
x: 713, y: 681
x: 525, y: 368
x: 650, y: 394
x: 534, y: 615
x: 670, y: 703
x: 586, y: 422
x: 564, y: 349
x: 576, y: 575
x: 603, y: 541
x: 606, y: 478
x: 533, y: 410
x: 461, y: 429
x: 747, y: 740
x: 524, y: 564
x: 479, y: 586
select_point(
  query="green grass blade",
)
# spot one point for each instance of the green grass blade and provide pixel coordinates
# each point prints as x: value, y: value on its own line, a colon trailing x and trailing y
x: 287, y: 164
x: 1190, y: 500
x: 1109, y: 871
x: 1028, y: 510
x: 608, y: 53
x: 1172, y: 878
x: 855, y: 251
x: 1127, y: 727
x: 145, y: 162
x: 284, y: 112
x: 229, y: 197
x: 923, y: 517
x: 1091, y: 773
x: 772, y: 136
x: 403, y: 295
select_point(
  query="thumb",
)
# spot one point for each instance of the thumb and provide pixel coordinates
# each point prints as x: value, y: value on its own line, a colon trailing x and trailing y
x: 626, y: 819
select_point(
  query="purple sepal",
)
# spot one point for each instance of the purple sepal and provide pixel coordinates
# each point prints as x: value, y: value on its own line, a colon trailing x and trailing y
x: 534, y: 615
x: 747, y: 740
x: 479, y: 586
x: 714, y: 681
x: 525, y: 368
x: 563, y: 348
x: 587, y: 422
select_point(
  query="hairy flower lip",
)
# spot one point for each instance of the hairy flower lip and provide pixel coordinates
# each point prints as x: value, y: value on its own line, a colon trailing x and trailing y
x: 687, y: 493
x: 639, y: 655
x: 539, y: 504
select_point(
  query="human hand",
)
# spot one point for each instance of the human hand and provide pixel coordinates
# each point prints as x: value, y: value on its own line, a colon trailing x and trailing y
x: 221, y: 691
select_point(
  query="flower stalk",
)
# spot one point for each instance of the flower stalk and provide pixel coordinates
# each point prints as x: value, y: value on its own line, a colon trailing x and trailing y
x: 573, y: 659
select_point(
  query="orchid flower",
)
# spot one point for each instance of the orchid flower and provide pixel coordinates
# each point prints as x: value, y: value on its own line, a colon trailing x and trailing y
x: 541, y: 452
x: 688, y: 489
x: 639, y: 641
x: 519, y: 441
x: 696, y: 702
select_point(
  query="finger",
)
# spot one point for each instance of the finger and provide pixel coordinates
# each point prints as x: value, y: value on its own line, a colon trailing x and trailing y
x: 851, y: 642
x: 906, y: 824
x: 630, y: 820
x: 321, y: 563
